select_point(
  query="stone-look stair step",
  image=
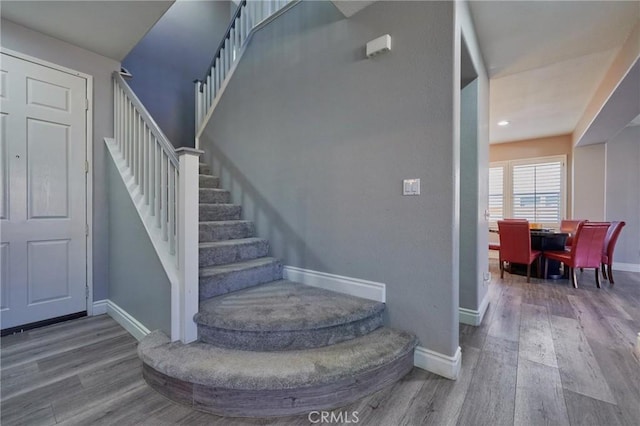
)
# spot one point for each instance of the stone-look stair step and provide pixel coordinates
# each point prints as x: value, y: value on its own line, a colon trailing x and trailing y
x: 232, y: 251
x: 204, y: 169
x: 285, y: 315
x: 208, y: 181
x: 209, y: 212
x: 238, y: 383
x: 225, y: 230
x: 214, y: 196
x: 218, y: 280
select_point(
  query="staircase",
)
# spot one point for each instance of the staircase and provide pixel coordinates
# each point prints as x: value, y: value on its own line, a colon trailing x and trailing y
x: 268, y: 346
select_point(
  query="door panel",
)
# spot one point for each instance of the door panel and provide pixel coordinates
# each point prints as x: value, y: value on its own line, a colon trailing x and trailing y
x: 4, y: 165
x: 48, y: 273
x: 43, y: 192
x: 41, y: 93
x: 4, y: 275
x: 47, y: 165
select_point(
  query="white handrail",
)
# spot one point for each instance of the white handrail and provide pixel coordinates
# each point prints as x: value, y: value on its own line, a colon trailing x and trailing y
x: 249, y: 17
x: 163, y: 183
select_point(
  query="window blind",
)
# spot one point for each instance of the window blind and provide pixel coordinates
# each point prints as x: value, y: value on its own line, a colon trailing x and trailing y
x: 496, y: 193
x: 537, y: 192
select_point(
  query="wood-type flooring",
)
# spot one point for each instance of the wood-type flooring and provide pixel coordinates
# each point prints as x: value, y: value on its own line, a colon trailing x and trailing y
x: 545, y: 354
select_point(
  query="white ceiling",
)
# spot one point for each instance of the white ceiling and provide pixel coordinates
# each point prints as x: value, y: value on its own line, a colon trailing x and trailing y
x: 110, y: 28
x: 546, y: 59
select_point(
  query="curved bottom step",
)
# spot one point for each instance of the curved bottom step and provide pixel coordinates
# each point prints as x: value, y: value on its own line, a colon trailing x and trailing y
x: 237, y: 383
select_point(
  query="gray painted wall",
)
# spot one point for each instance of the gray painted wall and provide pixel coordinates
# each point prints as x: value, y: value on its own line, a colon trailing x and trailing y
x: 469, y: 279
x: 176, y: 51
x: 623, y: 196
x: 314, y: 140
x: 589, y: 180
x: 139, y: 284
x: 473, y: 122
x: 32, y: 43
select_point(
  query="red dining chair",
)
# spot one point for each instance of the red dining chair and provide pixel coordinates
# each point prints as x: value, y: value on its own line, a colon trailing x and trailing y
x: 570, y: 227
x: 515, y: 245
x: 586, y: 251
x: 607, y: 249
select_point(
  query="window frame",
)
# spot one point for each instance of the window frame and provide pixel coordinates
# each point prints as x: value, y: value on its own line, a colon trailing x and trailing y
x: 507, y: 186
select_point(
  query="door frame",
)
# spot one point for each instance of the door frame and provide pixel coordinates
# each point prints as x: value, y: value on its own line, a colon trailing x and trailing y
x: 88, y: 158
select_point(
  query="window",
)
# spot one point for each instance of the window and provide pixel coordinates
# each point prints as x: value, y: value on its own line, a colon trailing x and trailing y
x: 531, y: 189
x: 496, y: 193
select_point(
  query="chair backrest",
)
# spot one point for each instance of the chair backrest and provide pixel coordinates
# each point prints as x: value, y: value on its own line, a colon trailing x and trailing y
x: 611, y: 238
x: 586, y: 251
x: 515, y: 241
x: 569, y: 226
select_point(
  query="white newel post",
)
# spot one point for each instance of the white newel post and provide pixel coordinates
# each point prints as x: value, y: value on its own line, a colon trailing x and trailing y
x: 188, y: 241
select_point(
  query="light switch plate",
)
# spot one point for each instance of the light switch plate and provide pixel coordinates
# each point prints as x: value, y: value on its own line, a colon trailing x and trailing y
x: 411, y: 187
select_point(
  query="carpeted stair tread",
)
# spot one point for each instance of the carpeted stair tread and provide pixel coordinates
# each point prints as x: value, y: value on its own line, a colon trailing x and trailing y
x: 211, y: 366
x: 208, y: 181
x: 214, y: 196
x: 204, y: 169
x: 222, y: 279
x: 282, y: 306
x: 225, y: 230
x: 232, y: 251
x: 284, y: 315
x: 219, y: 211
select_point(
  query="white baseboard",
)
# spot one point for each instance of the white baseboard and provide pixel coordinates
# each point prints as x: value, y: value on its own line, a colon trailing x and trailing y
x: 627, y: 267
x: 100, y: 307
x: 354, y: 286
x: 471, y: 317
x: 437, y: 363
x: 122, y: 317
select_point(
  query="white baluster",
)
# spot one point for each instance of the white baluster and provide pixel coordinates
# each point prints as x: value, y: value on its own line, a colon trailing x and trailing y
x: 213, y: 86
x: 158, y: 186
x: 232, y: 45
x: 227, y: 58
x: 136, y: 132
x: 145, y: 172
x: 208, y: 92
x: 223, y: 62
x: 217, y: 74
x: 171, y: 205
x: 141, y: 154
x: 152, y: 174
x: 164, y: 205
x: 197, y: 105
x: 121, y: 135
x: 132, y: 123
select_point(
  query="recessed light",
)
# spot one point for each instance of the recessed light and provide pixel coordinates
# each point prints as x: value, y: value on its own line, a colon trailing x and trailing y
x: 503, y: 123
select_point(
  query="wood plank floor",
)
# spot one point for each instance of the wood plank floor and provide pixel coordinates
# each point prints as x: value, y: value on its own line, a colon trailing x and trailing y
x: 545, y: 354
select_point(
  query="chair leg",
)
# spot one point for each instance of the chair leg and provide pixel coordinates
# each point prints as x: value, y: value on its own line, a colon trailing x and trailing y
x: 501, y: 270
x: 598, y: 277
x: 574, y: 277
x: 604, y: 271
x: 610, y: 274
x: 546, y: 268
x: 529, y: 273
x: 539, y: 263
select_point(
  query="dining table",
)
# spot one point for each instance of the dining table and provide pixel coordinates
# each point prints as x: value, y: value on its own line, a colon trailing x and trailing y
x: 543, y: 240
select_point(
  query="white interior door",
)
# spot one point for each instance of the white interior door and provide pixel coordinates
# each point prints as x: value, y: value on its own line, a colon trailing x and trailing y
x: 43, y: 192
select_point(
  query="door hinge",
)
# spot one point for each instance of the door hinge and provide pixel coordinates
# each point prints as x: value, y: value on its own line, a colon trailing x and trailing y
x: 86, y: 291
x: 86, y: 104
x: 86, y: 229
x: 86, y: 166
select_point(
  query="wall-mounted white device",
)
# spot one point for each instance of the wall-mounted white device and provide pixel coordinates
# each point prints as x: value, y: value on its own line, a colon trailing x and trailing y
x: 379, y: 45
x: 411, y: 187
